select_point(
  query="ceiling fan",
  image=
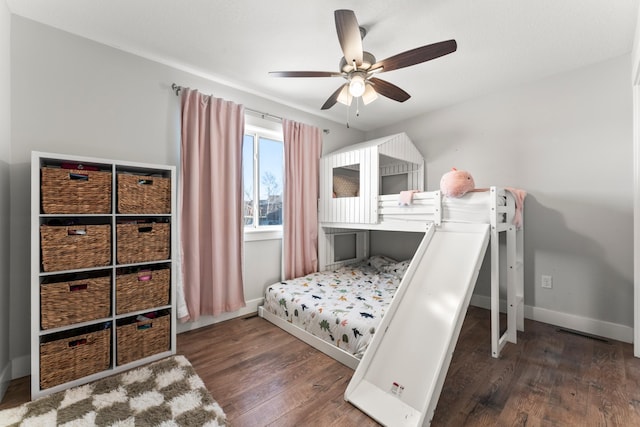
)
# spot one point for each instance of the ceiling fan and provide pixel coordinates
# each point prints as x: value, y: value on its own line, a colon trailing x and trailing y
x: 358, y: 67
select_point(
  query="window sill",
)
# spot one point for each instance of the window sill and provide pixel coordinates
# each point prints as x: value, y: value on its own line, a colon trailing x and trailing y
x: 252, y: 235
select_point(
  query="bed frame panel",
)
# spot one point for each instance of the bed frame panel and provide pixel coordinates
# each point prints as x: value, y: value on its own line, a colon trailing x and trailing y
x: 330, y: 350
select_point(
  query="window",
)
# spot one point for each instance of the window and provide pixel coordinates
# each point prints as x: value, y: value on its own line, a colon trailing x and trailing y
x: 263, y: 179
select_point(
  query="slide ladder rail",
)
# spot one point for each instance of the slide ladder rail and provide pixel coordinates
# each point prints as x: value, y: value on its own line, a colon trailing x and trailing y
x: 514, y: 273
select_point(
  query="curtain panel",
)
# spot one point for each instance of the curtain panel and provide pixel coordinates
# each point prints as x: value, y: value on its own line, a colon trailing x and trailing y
x: 302, y: 149
x: 211, y: 204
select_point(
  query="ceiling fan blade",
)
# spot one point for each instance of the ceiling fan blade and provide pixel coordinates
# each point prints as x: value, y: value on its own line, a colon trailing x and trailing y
x: 304, y: 74
x: 389, y: 90
x: 416, y: 56
x: 333, y: 98
x: 349, y: 35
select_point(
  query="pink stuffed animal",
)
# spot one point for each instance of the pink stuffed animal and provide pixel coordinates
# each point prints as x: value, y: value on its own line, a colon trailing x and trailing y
x: 456, y: 183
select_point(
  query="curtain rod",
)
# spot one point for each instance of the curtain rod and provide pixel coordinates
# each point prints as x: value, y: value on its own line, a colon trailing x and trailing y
x: 177, y: 90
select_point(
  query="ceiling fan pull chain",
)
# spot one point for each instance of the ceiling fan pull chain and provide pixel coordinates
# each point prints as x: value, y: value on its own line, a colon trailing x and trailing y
x: 358, y: 107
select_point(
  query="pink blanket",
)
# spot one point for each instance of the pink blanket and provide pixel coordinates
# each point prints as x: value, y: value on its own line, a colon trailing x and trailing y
x: 519, y: 196
x: 406, y: 197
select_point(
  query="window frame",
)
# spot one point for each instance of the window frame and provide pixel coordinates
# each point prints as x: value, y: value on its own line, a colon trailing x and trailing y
x: 255, y: 231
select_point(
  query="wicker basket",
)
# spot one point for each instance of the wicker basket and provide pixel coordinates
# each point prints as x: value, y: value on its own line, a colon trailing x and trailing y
x: 71, y: 358
x: 74, y: 301
x: 142, y: 242
x: 75, y: 191
x: 144, y: 194
x: 74, y: 247
x: 142, y: 339
x: 142, y: 290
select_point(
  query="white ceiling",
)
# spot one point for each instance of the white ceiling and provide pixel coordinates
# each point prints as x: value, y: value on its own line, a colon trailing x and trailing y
x: 501, y: 43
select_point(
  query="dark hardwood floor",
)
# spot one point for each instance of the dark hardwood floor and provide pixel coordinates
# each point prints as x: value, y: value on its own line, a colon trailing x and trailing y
x: 263, y: 376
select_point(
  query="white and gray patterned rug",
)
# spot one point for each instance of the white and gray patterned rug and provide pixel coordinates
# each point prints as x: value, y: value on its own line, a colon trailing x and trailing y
x: 167, y: 393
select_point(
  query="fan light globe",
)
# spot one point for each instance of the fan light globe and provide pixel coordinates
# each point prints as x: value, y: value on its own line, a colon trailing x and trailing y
x: 356, y: 86
x: 369, y: 94
x: 344, y: 97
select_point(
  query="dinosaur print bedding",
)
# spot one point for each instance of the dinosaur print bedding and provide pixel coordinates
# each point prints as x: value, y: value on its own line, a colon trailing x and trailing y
x: 343, y: 307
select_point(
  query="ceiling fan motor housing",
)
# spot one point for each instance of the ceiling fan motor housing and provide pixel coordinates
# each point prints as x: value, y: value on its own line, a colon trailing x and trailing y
x: 367, y: 61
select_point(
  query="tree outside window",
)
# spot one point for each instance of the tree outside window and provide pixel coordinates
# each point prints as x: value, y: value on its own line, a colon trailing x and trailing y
x: 263, y: 177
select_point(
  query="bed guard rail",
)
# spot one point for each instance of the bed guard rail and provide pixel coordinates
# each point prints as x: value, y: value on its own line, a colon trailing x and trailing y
x: 424, y: 207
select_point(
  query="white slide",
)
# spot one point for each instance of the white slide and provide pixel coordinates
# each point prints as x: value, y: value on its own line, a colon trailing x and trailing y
x: 400, y: 377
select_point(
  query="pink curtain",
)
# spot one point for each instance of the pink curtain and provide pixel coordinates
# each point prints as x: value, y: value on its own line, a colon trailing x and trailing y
x: 302, y: 149
x: 211, y: 227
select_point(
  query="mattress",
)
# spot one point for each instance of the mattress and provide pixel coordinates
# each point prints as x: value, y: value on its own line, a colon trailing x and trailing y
x: 342, y: 307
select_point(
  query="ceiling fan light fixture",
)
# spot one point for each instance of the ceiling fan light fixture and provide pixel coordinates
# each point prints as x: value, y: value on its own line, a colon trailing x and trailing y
x: 360, y: 67
x: 357, y: 85
x: 345, y: 97
x: 369, y: 94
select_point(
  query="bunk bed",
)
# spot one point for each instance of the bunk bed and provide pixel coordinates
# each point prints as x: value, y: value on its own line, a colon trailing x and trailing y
x: 361, y: 190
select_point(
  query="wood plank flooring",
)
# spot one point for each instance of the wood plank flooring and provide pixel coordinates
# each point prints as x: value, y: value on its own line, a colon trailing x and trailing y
x: 262, y: 376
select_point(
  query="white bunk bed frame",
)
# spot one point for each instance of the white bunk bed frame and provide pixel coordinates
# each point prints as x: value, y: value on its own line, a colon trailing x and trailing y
x: 369, y: 164
x: 426, y: 211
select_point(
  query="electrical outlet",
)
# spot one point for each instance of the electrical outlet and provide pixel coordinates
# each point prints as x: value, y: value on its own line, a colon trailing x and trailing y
x: 547, y: 282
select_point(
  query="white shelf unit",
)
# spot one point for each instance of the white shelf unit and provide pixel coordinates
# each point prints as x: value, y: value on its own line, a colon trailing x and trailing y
x: 113, y: 320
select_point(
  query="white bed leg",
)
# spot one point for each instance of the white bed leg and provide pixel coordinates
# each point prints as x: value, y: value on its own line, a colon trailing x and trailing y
x: 512, y: 290
x: 519, y: 278
x: 495, y: 293
x: 514, y: 285
x: 496, y: 343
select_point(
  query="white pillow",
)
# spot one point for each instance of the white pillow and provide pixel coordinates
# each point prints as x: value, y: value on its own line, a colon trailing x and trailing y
x: 398, y: 269
x: 381, y: 262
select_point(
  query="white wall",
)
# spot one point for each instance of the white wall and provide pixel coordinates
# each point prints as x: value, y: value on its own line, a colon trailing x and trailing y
x: 5, y: 162
x: 75, y: 96
x: 567, y: 140
x: 635, y: 78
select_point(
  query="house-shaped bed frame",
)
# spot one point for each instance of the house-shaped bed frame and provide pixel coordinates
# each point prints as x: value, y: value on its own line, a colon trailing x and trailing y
x: 389, y: 165
x: 396, y: 159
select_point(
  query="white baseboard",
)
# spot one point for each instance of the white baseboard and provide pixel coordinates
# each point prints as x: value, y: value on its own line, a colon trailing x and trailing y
x: 586, y: 325
x: 5, y: 378
x: 251, y: 308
